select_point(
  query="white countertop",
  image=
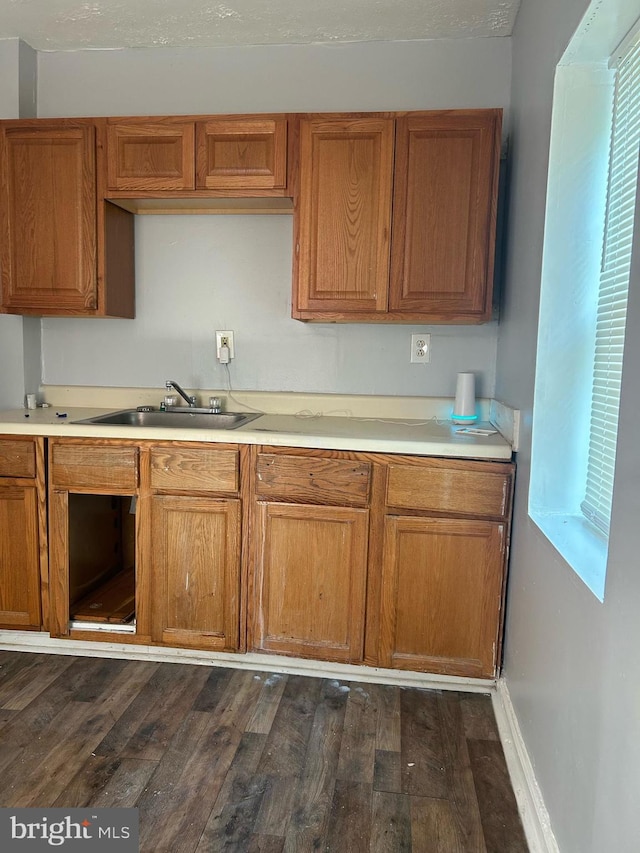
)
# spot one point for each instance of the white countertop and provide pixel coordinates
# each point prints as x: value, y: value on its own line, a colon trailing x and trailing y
x: 430, y: 437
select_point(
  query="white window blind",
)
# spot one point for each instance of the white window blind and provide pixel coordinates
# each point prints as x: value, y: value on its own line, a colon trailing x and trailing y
x: 614, y: 286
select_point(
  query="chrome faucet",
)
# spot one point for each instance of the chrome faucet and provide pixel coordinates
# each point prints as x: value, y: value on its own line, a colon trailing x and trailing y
x: 192, y: 402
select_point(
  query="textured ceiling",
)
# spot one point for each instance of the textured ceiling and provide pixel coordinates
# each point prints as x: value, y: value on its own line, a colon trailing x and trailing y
x: 73, y: 25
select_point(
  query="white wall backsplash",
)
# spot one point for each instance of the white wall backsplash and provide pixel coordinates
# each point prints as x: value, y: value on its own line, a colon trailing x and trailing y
x: 196, y: 274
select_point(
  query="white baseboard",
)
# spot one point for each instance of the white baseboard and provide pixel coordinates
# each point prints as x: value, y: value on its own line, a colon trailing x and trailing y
x: 533, y: 812
x: 39, y: 641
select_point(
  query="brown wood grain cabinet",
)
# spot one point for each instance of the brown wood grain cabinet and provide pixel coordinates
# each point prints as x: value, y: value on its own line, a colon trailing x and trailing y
x: 310, y: 581
x: 242, y: 153
x: 444, y: 214
x: 197, y: 156
x: 23, y: 543
x: 162, y: 523
x: 195, y: 571
x: 394, y: 213
x: 446, y: 533
x: 356, y: 557
x: 344, y: 216
x: 94, y: 531
x: 397, y: 217
x: 193, y: 555
x: 399, y: 561
x: 64, y: 250
x: 148, y: 154
x: 310, y: 554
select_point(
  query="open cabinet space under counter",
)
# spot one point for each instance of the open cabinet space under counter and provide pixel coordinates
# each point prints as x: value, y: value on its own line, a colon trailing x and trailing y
x: 146, y: 542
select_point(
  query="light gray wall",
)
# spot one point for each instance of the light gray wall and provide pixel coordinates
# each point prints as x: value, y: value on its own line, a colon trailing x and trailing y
x: 572, y: 664
x: 18, y: 75
x: 198, y: 274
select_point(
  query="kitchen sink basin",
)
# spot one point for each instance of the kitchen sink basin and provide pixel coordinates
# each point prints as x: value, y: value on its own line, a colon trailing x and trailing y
x: 178, y: 419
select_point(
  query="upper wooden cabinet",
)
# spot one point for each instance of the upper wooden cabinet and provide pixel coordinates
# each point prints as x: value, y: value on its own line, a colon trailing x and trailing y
x: 442, y: 173
x: 242, y: 153
x: 394, y: 213
x: 444, y: 214
x: 150, y: 155
x: 226, y: 155
x: 63, y: 252
x: 48, y: 214
x: 344, y: 220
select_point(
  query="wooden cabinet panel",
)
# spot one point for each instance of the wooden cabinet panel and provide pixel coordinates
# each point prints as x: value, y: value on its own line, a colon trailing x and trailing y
x: 19, y: 557
x: 151, y: 155
x: 342, y: 252
x: 450, y: 487
x: 195, y: 569
x: 48, y: 218
x: 444, y: 214
x: 197, y: 469
x: 242, y: 153
x: 17, y: 458
x: 312, y: 480
x: 442, y: 588
x: 310, y: 581
x: 79, y: 466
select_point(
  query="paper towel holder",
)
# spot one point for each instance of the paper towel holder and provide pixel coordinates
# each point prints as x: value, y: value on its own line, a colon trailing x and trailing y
x: 464, y: 407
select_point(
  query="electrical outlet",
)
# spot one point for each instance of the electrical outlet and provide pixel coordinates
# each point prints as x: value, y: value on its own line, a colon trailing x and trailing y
x: 420, y: 349
x: 225, y: 339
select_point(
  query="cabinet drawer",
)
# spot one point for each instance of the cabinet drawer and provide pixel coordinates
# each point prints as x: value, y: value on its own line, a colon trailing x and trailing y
x: 17, y: 458
x: 449, y: 490
x: 198, y: 469
x: 313, y: 480
x: 102, y: 467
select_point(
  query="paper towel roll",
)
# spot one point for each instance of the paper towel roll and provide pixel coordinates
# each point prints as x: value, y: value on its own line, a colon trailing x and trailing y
x: 464, y: 408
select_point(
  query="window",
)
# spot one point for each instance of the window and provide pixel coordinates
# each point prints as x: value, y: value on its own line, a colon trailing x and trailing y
x: 593, y: 162
x: 614, y: 286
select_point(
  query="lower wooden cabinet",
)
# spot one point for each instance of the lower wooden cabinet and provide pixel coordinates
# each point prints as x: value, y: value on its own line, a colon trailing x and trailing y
x: 310, y: 581
x: 442, y: 589
x: 397, y: 561
x: 19, y: 557
x: 195, y: 572
x: 146, y: 542
x: 23, y: 591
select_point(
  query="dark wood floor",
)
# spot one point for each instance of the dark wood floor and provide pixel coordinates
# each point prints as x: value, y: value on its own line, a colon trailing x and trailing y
x: 226, y: 760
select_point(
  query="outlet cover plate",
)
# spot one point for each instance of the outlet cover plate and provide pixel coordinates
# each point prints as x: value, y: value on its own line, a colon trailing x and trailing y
x: 220, y: 336
x: 420, y: 349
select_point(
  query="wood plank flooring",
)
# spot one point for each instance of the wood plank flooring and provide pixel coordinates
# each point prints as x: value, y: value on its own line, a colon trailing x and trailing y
x: 219, y: 760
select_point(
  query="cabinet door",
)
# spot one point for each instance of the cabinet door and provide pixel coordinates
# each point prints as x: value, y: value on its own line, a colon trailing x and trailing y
x: 151, y: 156
x: 310, y: 581
x: 48, y: 219
x: 444, y: 214
x: 242, y: 154
x: 442, y: 586
x: 195, y: 572
x: 19, y: 557
x: 342, y: 251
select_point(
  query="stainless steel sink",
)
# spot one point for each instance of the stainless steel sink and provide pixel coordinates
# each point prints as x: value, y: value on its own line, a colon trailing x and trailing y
x: 178, y: 419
